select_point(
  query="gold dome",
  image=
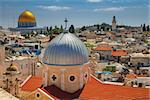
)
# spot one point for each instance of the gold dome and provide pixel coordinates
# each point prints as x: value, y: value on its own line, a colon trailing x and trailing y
x: 12, y: 68
x: 26, y: 16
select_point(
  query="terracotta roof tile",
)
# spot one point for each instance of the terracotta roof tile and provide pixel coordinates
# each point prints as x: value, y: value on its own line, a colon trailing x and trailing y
x: 31, y: 83
x: 112, y: 92
x: 103, y: 48
x: 95, y: 90
x: 119, y: 53
x: 131, y: 76
x: 140, y: 76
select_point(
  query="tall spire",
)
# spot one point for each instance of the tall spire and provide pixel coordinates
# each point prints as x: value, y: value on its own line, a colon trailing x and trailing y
x: 66, y: 21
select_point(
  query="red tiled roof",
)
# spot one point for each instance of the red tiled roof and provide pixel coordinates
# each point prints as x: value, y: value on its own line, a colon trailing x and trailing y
x: 31, y: 83
x: 131, y: 76
x: 119, y: 53
x: 95, y: 90
x: 140, y: 76
x: 102, y: 91
x: 103, y: 48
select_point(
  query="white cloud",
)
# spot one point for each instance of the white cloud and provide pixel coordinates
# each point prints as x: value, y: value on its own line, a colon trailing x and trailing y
x: 55, y: 8
x: 94, y: 1
x: 110, y: 9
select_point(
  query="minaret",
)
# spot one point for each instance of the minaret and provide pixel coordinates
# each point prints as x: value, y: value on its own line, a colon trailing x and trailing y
x: 114, y: 23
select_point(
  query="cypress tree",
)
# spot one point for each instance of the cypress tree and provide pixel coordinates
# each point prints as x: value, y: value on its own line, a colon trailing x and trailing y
x: 144, y: 28
x: 71, y: 29
x: 147, y: 28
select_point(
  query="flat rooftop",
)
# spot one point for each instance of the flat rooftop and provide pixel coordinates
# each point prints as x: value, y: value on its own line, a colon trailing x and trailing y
x: 4, y: 95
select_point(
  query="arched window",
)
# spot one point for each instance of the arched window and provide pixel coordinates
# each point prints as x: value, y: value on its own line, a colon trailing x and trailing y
x: 85, y: 76
x: 37, y: 95
x: 72, y: 78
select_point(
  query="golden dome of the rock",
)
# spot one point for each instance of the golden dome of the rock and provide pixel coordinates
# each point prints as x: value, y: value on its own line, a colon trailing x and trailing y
x: 27, y: 16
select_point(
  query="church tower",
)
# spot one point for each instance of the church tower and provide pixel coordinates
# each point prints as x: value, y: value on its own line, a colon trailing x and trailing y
x: 114, y: 23
x: 11, y: 81
x: 2, y: 55
x: 2, y: 60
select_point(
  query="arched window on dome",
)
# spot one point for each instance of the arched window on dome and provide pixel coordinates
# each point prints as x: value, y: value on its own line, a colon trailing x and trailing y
x: 23, y: 24
x: 26, y: 24
x: 30, y: 25
x: 35, y: 24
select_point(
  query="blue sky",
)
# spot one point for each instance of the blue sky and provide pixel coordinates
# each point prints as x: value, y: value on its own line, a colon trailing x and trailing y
x: 78, y: 12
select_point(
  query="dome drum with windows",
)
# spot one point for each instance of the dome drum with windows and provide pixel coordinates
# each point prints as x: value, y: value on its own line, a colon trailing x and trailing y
x: 26, y: 19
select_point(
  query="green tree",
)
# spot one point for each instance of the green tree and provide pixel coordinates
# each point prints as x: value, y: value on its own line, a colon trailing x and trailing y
x: 98, y: 27
x: 83, y: 28
x: 56, y: 27
x: 56, y: 30
x: 47, y: 29
x: 50, y: 28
